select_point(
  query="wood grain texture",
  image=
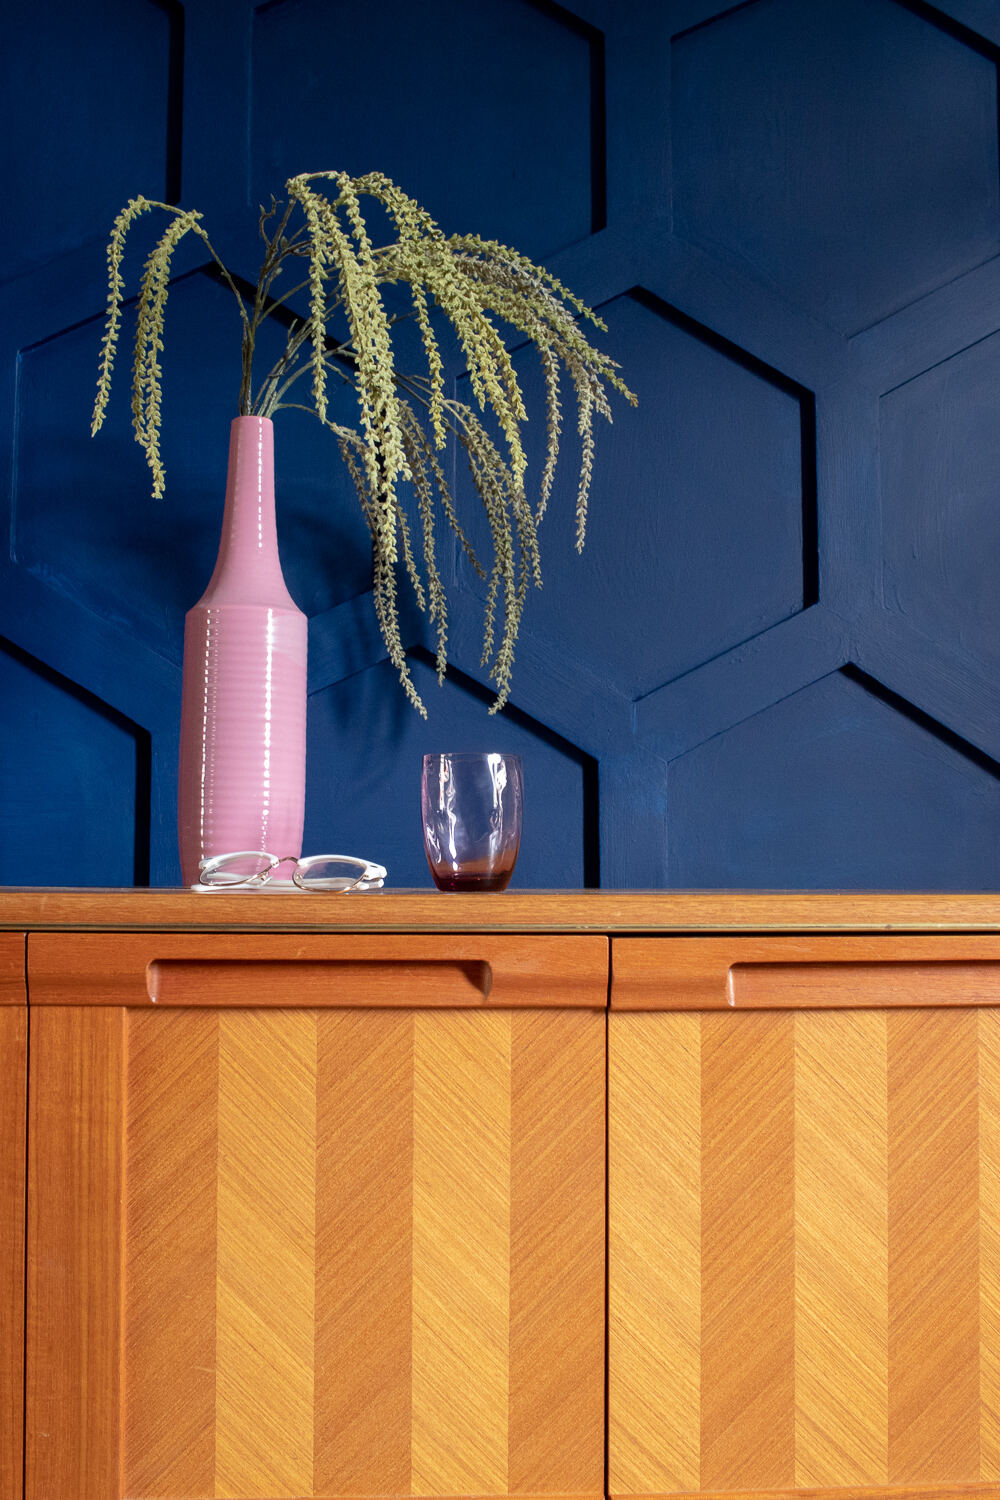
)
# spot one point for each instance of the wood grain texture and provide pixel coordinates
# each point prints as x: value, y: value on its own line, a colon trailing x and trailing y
x: 654, y: 1248
x: 557, y: 1141
x: 988, y: 1026
x: 12, y: 959
x: 13, y: 1111
x: 363, y: 1253
x: 748, y: 1252
x: 934, y: 1413
x: 310, y: 970
x: 957, y: 1491
x: 170, y: 1265
x: 606, y: 911
x: 266, y: 1254
x: 75, y: 1189
x: 364, y: 1173
x: 841, y: 1249
x: 895, y: 1234
x: 814, y: 972
x: 461, y: 1253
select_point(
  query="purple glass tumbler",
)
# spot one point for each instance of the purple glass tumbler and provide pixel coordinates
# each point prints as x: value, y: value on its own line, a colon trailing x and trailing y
x: 471, y: 806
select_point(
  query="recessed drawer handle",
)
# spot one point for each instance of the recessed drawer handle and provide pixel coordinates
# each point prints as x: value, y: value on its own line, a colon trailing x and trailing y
x: 256, y: 982
x: 809, y: 972
x: 817, y: 986
x: 303, y: 970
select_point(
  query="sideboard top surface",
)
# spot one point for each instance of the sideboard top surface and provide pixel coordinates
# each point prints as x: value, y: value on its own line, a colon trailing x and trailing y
x: 606, y: 911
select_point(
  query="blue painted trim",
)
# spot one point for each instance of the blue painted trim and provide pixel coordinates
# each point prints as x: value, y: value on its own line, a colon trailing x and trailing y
x: 743, y: 682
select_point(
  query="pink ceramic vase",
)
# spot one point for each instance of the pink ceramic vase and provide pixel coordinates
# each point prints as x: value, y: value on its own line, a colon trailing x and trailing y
x: 243, y: 710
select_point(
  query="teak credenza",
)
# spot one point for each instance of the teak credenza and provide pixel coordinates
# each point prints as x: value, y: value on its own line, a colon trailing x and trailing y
x: 542, y: 1194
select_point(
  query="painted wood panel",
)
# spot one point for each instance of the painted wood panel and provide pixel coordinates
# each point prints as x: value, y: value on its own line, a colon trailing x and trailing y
x: 361, y: 1253
x: 803, y: 1273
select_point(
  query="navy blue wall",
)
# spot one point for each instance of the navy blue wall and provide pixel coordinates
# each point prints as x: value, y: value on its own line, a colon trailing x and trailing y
x: 777, y: 662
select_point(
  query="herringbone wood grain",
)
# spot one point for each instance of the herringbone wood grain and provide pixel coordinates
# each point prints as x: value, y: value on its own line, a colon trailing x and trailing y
x: 804, y: 1250
x: 360, y: 1253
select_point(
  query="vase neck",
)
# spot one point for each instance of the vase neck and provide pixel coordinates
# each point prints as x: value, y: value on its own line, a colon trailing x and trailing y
x: 247, y: 570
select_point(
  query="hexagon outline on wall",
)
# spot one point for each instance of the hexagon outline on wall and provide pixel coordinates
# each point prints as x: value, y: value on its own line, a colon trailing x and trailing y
x: 937, y: 502
x: 928, y: 673
x: 806, y: 399
x: 983, y: 237
x: 943, y: 742
x: 204, y: 271
x: 564, y: 16
x: 592, y: 712
x: 14, y: 497
x: 903, y: 705
x: 767, y: 372
x: 865, y: 677
x: 757, y: 674
x: 658, y: 302
x: 172, y: 138
x: 174, y: 125
x: 141, y: 737
x: 334, y: 652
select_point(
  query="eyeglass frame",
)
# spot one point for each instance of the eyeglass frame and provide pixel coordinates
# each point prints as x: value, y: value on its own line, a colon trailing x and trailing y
x: 371, y: 877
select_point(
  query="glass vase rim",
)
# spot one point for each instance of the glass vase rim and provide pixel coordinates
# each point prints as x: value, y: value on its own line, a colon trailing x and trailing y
x: 470, y: 754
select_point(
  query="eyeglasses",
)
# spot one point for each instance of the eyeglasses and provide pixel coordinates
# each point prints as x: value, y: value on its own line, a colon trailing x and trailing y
x: 250, y: 869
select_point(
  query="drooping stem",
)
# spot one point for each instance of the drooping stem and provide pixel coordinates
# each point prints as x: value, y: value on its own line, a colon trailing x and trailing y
x: 478, y: 287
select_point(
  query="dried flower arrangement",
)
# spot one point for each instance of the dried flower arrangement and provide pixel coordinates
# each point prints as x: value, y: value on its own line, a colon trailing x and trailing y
x: 404, y: 419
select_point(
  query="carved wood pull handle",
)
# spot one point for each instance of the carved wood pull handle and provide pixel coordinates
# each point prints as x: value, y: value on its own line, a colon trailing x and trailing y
x: 313, y: 970
x: 804, y: 973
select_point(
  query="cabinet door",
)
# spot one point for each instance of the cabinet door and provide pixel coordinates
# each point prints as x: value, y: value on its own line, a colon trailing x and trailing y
x: 804, y: 1179
x: 13, y: 1085
x: 285, y: 1243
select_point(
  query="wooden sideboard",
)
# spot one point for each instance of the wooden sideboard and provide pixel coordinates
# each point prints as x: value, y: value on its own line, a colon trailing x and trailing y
x: 542, y: 1194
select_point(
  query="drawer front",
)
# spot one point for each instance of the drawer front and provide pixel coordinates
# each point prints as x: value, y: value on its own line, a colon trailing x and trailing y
x: 811, y: 972
x: 249, y: 969
x: 315, y: 1252
x: 804, y: 1219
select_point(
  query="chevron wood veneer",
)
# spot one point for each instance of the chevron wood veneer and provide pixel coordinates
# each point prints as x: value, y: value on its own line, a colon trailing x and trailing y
x: 363, y: 1252
x: 364, y: 1146
x: 804, y: 1251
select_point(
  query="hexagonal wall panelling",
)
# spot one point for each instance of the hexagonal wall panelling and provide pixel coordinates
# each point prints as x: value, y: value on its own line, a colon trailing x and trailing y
x: 363, y: 776
x: 841, y: 785
x: 74, y: 783
x: 491, y: 115
x: 701, y: 527
x: 108, y: 79
x: 84, y: 521
x: 848, y: 180
x: 940, y: 447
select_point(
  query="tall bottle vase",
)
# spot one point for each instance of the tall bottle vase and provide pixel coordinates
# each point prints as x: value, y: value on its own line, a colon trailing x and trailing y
x: 243, y: 708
